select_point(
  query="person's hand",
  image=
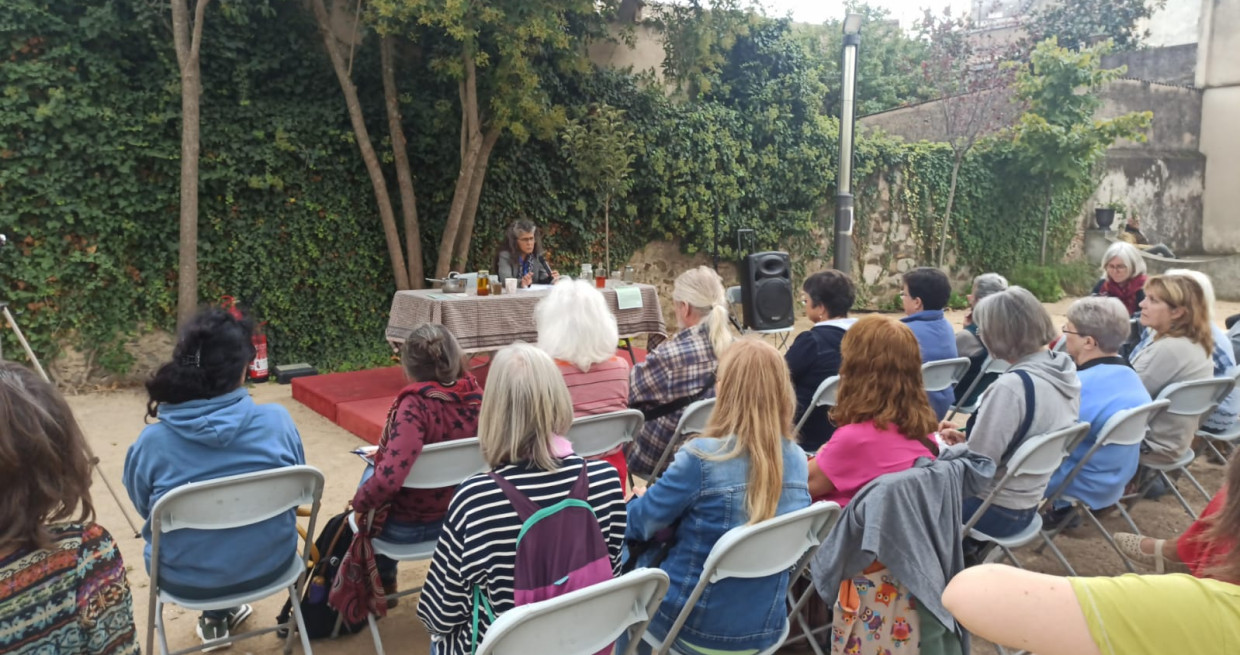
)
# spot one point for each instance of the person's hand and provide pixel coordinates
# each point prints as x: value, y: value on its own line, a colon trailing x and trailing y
x: 555, y: 276
x: 968, y: 318
x: 527, y: 279
x: 951, y: 436
x: 635, y: 492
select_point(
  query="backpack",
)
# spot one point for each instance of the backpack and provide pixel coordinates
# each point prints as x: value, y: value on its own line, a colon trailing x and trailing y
x: 560, y: 548
x: 331, y: 544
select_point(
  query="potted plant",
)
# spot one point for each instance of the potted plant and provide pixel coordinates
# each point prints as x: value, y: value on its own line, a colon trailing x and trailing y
x: 1104, y: 216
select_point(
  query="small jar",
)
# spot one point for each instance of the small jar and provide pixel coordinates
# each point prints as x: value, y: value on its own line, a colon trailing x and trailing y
x: 484, y: 283
x: 587, y: 271
x: 628, y: 274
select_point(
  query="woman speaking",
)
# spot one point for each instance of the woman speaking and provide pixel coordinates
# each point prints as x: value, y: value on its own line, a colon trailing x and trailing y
x: 521, y: 256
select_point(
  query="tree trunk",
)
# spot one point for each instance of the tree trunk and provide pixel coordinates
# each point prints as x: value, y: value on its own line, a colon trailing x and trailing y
x: 188, y: 48
x: 404, y: 178
x: 951, y: 199
x: 471, y: 203
x: 471, y: 143
x: 607, y: 231
x: 399, y: 273
x: 1046, y: 222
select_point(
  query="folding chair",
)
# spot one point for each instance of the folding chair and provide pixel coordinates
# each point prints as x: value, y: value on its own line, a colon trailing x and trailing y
x: 991, y: 366
x: 692, y: 421
x: 782, y: 334
x: 1124, y: 428
x: 232, y: 502
x: 1038, y: 455
x: 602, y: 433
x: 581, y: 622
x: 797, y: 604
x: 1195, y: 398
x: 444, y: 464
x: 1227, y: 439
x: 824, y: 396
x: 784, y: 543
x: 944, y: 373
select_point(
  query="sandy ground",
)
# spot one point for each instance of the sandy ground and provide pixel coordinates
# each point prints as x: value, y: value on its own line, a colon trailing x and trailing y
x: 113, y: 420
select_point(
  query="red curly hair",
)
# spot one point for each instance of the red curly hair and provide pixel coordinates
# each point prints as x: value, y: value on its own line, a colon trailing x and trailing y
x: 880, y: 379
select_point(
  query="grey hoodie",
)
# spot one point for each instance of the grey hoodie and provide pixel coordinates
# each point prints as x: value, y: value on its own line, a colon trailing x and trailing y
x: 1057, y: 405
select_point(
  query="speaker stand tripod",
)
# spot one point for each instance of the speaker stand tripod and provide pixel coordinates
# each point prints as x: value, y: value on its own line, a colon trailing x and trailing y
x: 94, y: 460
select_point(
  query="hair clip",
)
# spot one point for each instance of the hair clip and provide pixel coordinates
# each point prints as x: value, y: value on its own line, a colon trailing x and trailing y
x: 192, y: 360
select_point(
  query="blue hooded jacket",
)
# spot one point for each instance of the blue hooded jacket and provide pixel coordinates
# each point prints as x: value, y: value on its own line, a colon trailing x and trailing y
x: 937, y: 341
x: 202, y: 440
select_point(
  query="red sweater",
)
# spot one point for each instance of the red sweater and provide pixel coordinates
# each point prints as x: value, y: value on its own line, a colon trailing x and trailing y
x: 424, y: 413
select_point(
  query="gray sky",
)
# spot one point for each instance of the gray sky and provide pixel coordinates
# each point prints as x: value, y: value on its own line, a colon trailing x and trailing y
x: 818, y: 11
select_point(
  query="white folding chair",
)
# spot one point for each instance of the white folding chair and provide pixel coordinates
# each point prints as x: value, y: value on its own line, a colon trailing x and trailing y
x: 443, y: 464
x: 692, y: 421
x: 232, y: 502
x: 944, y: 373
x: 991, y: 366
x: 1038, y: 455
x: 796, y: 604
x: 603, y: 433
x: 824, y: 396
x: 581, y: 622
x: 1195, y: 398
x: 1124, y: 428
x: 781, y: 334
x: 778, y: 545
x: 1227, y: 439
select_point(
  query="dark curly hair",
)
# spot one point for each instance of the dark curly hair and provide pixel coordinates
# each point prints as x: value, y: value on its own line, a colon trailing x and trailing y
x: 210, y: 356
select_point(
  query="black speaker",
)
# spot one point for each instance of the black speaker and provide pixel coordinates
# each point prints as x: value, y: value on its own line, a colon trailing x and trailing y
x: 766, y: 291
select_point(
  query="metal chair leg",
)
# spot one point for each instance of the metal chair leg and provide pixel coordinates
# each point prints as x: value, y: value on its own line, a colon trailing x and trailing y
x: 1178, y: 496
x: 1110, y: 540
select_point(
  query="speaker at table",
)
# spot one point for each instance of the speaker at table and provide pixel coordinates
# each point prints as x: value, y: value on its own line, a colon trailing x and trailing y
x: 766, y: 291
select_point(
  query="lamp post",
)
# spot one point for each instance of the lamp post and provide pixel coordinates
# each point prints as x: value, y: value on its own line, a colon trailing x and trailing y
x: 844, y: 196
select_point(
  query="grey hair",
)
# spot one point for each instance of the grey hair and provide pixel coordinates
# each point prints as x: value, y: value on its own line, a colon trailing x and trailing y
x: 1012, y: 324
x: 1128, y: 254
x: 575, y: 326
x: 988, y: 284
x: 1203, y: 281
x: 525, y: 406
x: 1103, y: 318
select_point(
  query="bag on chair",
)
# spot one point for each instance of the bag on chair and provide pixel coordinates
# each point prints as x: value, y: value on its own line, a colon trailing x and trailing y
x: 331, y: 544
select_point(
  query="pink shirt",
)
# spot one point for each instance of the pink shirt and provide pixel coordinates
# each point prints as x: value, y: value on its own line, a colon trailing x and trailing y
x: 604, y: 388
x: 859, y: 452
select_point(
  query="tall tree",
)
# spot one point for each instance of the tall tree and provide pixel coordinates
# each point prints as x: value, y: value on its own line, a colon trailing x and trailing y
x: 187, y: 39
x: 1080, y: 23
x: 601, y: 147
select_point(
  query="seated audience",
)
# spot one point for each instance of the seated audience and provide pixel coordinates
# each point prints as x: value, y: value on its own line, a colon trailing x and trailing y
x: 926, y: 292
x: 521, y: 256
x: 525, y: 406
x: 682, y: 369
x: 440, y: 404
x: 209, y: 428
x: 1096, y: 329
x: 1127, y: 615
x: 1223, y: 356
x: 1179, y: 351
x: 815, y: 354
x: 885, y: 419
x: 1123, y: 276
x: 1039, y: 394
x: 745, y: 468
x: 62, y: 582
x: 967, y: 342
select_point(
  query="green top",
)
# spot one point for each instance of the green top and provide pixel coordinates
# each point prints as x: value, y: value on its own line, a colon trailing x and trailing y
x: 1136, y: 614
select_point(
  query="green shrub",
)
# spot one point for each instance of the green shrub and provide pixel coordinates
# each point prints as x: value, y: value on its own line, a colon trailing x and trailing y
x: 1041, y: 281
x: 958, y: 301
x: 1077, y: 278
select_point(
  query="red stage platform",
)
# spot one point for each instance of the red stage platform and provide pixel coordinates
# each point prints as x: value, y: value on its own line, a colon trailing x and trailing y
x: 359, y: 401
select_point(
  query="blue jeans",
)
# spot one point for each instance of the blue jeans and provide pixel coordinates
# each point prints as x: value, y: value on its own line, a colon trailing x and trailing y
x: 998, y: 521
x: 403, y: 533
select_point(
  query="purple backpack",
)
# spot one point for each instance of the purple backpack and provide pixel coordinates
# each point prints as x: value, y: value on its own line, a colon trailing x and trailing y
x: 560, y: 548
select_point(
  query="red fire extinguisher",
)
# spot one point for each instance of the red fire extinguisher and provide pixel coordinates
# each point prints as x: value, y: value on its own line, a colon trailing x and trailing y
x: 258, y: 371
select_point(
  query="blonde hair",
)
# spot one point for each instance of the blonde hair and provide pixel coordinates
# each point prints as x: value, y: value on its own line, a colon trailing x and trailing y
x: 575, y: 326
x: 1183, y: 292
x: 702, y: 290
x: 754, y: 402
x: 524, y: 406
x: 1203, y: 281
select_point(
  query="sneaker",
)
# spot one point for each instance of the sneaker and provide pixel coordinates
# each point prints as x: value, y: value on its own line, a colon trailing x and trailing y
x: 213, y: 629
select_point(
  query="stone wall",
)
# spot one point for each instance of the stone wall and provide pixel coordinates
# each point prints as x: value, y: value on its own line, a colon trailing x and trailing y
x: 1171, y: 65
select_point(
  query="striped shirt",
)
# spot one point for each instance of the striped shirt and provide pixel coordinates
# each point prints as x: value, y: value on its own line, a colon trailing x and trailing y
x: 479, y: 540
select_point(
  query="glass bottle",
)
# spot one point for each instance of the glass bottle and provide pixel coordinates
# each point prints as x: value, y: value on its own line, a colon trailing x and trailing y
x: 484, y: 283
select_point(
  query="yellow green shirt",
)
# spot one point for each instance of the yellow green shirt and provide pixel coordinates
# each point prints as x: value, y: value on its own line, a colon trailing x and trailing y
x: 1158, y: 614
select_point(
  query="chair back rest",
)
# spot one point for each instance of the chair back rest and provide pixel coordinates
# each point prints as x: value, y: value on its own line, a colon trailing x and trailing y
x: 236, y: 500
x: 693, y: 419
x: 1128, y: 427
x: 581, y: 622
x: 446, y: 464
x: 993, y: 365
x: 824, y: 395
x: 734, y: 295
x: 769, y: 547
x: 1196, y: 397
x: 942, y: 374
x: 602, y: 433
x: 1040, y: 454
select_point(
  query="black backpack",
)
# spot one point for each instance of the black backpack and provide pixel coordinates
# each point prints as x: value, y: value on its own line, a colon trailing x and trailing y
x: 332, y: 544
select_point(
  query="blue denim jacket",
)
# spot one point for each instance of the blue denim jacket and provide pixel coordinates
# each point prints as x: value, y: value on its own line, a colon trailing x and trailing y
x: 708, y: 496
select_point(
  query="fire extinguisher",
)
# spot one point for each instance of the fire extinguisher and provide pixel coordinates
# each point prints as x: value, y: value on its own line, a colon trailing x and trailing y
x: 258, y: 371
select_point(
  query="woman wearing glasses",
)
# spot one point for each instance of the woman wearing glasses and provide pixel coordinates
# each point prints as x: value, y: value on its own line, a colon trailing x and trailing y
x: 521, y: 256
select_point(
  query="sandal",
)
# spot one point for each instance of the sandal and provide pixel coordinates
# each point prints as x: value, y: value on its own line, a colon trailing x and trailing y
x: 1130, y: 545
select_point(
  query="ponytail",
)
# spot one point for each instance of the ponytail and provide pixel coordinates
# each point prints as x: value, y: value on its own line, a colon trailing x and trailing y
x: 720, y: 334
x: 702, y: 289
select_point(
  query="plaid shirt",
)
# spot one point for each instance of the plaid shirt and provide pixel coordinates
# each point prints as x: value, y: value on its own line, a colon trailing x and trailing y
x: 676, y: 369
x: 1224, y: 360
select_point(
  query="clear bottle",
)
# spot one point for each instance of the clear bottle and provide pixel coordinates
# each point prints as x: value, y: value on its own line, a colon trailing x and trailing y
x: 587, y: 271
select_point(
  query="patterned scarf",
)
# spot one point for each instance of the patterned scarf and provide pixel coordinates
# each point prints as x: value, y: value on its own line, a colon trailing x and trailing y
x: 1126, y: 291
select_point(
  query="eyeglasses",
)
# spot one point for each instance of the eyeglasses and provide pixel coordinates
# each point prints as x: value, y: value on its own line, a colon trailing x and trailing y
x: 529, y: 239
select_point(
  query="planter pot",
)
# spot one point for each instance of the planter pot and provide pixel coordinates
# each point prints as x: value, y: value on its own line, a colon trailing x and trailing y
x: 1104, y: 217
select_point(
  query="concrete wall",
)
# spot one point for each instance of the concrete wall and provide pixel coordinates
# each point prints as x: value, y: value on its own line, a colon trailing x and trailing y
x: 1163, y: 191
x: 646, y: 53
x: 1218, y: 71
x: 1177, y: 113
x: 1217, y: 61
x: 926, y: 121
x: 1170, y: 65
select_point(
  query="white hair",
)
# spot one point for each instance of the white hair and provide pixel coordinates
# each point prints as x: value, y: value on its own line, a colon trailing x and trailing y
x: 702, y: 290
x: 1127, y: 253
x: 1103, y: 318
x: 988, y: 284
x: 575, y: 326
x: 1202, y: 280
